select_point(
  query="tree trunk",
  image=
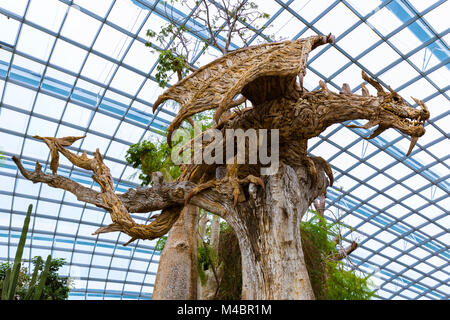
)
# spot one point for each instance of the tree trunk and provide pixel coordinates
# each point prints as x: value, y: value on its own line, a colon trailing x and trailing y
x: 268, y: 229
x: 208, y: 291
x: 176, y: 278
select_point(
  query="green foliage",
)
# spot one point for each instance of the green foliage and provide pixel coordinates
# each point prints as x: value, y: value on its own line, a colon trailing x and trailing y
x: 150, y: 157
x: 205, y: 258
x: 2, y: 158
x: 174, y: 41
x: 344, y: 284
x: 229, y: 257
x: 52, y: 285
x: 161, y: 243
x: 5, y: 280
x: 169, y: 61
x: 329, y: 279
x: 15, y: 283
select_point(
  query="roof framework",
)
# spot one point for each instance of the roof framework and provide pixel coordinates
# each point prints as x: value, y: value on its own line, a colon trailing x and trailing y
x: 81, y: 67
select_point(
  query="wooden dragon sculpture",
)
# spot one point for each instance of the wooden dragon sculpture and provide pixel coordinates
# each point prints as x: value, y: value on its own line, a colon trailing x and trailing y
x: 266, y: 75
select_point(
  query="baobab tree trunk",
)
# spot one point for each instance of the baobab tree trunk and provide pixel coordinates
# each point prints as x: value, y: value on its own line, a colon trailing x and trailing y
x: 176, y: 278
x: 273, y: 265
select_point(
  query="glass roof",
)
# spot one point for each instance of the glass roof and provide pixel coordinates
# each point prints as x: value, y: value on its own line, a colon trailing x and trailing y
x: 81, y: 68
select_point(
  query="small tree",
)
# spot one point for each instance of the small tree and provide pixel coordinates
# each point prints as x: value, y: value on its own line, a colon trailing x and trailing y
x: 221, y: 23
x: 56, y: 287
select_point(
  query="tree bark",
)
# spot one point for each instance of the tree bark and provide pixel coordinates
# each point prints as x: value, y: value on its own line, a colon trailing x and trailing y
x: 268, y: 229
x: 176, y: 278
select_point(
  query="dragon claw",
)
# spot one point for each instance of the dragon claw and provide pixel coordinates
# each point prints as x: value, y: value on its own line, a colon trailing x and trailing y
x: 234, y: 182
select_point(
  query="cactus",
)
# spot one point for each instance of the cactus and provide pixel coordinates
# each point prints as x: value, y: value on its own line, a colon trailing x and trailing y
x: 43, y: 278
x: 17, y: 261
x: 31, y: 287
x: 12, y: 274
x: 5, y: 285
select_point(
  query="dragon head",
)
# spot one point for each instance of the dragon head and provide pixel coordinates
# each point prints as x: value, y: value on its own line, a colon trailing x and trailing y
x: 394, y: 112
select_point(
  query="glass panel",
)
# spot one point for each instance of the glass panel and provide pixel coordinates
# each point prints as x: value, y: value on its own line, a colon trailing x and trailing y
x: 309, y: 10
x: 57, y: 82
x: 435, y: 51
x: 372, y: 61
x: 9, y: 30
x: 149, y: 93
x: 420, y: 88
x: 117, y: 150
x: 366, y: 6
x: 99, y: 7
x: 92, y: 142
x: 35, y: 43
x: 384, y: 21
x: 49, y: 106
x: 104, y: 124
x: 16, y: 6
x: 329, y: 62
x: 362, y: 171
x: 344, y: 161
x: 47, y: 13
x: 129, y: 132
x: 141, y: 57
x: 127, y: 81
x: 285, y: 26
x: 68, y: 56
x: 75, y: 114
x: 42, y: 127
x: 438, y: 20
x: 127, y: 15
x: 80, y: 27
x: 98, y: 69
x: 338, y: 20
x: 440, y: 77
x: 325, y: 150
x: 112, y: 42
x: 13, y: 120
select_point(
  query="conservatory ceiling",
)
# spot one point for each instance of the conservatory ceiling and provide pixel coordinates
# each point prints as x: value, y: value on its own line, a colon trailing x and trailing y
x: 81, y: 68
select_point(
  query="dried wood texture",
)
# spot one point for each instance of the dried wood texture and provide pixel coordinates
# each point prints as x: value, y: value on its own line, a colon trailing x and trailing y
x: 178, y: 261
x: 298, y: 114
x: 166, y: 196
x: 215, y: 85
x: 267, y: 228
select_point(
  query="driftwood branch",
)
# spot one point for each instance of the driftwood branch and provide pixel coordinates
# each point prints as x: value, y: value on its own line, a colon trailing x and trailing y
x: 342, y: 253
x: 319, y: 205
x: 168, y: 197
x: 140, y: 200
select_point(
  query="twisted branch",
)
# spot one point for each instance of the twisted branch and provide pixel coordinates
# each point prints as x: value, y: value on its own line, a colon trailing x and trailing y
x: 168, y: 197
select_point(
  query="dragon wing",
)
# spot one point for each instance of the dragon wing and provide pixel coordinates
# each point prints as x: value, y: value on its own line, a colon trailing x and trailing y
x: 215, y: 85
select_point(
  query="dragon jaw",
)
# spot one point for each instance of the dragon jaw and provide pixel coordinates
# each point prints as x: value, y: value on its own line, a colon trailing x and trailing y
x: 394, y: 112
